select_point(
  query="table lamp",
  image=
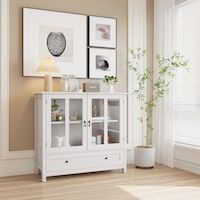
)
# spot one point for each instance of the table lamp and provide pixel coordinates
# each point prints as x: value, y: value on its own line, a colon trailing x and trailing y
x: 48, y: 66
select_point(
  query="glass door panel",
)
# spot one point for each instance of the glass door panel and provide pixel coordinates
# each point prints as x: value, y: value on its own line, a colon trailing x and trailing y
x: 97, y: 109
x: 98, y: 133
x: 113, y: 121
x: 57, y: 122
x: 75, y: 110
x: 105, y: 121
x: 75, y: 122
x: 75, y: 134
x: 96, y: 121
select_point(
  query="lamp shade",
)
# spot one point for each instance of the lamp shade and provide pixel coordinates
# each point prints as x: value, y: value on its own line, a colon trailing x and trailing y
x: 48, y: 65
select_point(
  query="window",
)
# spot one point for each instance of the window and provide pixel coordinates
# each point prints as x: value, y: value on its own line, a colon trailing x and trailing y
x: 187, y: 84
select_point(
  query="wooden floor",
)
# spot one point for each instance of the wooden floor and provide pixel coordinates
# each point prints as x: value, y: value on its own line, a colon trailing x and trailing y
x: 160, y: 183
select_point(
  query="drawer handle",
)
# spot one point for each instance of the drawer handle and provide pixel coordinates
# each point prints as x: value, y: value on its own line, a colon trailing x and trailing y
x: 106, y: 158
x: 66, y: 161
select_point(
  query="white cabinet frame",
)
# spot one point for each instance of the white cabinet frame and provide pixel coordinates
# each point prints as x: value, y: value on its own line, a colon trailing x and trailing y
x: 78, y: 159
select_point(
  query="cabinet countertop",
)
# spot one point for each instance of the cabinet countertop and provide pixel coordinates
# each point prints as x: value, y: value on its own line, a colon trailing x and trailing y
x: 82, y: 93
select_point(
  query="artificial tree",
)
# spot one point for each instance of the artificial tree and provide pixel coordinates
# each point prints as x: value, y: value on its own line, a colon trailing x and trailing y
x: 168, y: 68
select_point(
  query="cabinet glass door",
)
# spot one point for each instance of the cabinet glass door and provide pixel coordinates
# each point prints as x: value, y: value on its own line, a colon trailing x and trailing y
x: 113, y: 121
x: 66, y: 124
x: 57, y: 115
x: 104, y: 121
x: 77, y: 122
x: 97, y: 122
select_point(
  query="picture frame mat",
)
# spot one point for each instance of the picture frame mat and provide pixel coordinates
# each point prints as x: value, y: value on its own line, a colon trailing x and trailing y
x: 112, y: 22
x: 93, y: 72
x: 35, y: 18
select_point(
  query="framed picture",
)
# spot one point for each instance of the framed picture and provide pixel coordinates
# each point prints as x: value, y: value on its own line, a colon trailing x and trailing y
x: 103, y: 32
x: 57, y: 35
x: 102, y: 62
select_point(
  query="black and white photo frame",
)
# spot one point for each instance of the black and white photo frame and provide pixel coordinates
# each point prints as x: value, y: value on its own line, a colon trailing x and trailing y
x: 102, y: 47
x: 58, y: 35
x: 102, y: 32
x: 102, y: 62
x: 63, y: 37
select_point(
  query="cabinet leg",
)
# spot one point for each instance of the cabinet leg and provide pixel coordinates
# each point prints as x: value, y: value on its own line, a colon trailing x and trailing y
x: 124, y: 170
x: 44, y: 178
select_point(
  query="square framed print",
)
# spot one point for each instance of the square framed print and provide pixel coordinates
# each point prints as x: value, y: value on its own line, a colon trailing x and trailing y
x: 102, y: 62
x: 57, y: 35
x: 103, y: 32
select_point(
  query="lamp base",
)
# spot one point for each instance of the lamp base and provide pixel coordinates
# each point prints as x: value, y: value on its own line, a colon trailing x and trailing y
x: 48, y: 83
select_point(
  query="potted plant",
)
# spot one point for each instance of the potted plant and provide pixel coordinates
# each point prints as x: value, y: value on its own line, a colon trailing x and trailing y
x: 110, y: 81
x: 144, y: 155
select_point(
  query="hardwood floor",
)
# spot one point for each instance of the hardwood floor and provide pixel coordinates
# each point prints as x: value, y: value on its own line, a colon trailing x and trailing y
x: 160, y: 183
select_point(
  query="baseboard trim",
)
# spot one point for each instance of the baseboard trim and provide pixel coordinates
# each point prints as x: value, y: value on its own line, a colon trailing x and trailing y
x: 187, y: 166
x: 13, y: 167
x: 23, y: 162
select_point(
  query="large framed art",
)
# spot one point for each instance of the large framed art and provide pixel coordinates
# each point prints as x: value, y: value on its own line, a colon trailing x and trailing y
x: 57, y: 35
x: 103, y: 32
x: 102, y: 62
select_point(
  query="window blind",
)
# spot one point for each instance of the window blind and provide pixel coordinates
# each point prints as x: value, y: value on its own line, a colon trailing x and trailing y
x: 186, y: 88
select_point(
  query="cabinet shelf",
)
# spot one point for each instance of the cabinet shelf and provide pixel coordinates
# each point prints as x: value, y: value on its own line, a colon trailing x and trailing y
x: 109, y: 130
x: 63, y: 122
x: 113, y: 120
x: 102, y: 120
x: 97, y: 118
x: 75, y: 122
x: 113, y: 130
x: 57, y: 122
x: 99, y: 121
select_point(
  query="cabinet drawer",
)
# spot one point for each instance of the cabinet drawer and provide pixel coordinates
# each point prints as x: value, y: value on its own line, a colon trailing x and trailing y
x: 61, y: 163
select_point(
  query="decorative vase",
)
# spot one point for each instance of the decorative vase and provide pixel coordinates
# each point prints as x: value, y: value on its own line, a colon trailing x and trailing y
x: 69, y: 83
x: 65, y: 86
x: 144, y: 156
x: 111, y: 88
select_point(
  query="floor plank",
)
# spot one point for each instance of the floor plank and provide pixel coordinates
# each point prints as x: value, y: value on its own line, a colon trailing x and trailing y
x: 160, y: 183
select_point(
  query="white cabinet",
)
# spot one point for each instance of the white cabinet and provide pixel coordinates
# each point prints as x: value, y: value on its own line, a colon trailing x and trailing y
x: 80, y: 132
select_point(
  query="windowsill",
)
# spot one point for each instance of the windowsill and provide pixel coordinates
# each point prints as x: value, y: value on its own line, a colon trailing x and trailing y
x: 187, y: 147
